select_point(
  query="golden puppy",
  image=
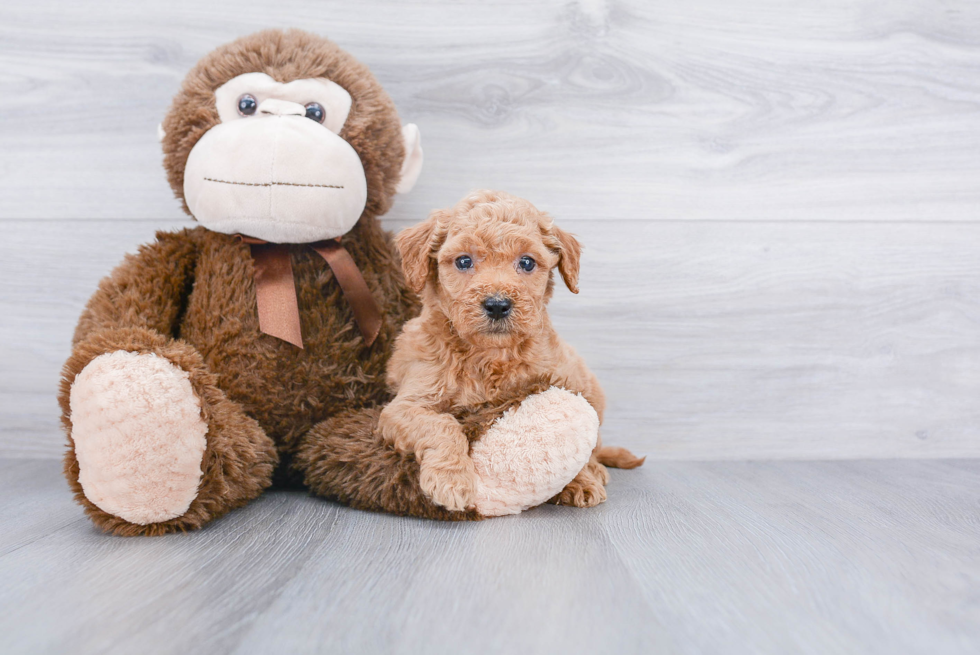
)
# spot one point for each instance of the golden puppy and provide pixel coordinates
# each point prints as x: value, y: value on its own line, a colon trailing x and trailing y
x: 485, y: 272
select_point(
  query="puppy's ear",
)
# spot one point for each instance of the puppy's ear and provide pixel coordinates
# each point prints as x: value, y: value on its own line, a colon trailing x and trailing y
x: 416, y: 245
x: 569, y: 252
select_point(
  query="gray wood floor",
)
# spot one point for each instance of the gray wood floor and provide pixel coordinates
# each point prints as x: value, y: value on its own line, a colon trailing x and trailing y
x: 685, y: 557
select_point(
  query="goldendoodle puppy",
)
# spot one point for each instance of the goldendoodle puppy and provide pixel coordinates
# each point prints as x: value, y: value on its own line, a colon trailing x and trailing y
x: 485, y: 273
x: 493, y: 413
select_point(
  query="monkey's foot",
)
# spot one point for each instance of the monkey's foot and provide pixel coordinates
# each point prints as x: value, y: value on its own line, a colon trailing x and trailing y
x: 532, y: 451
x: 139, y: 437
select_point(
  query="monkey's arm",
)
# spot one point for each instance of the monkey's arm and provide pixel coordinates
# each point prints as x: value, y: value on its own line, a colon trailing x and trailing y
x: 147, y: 290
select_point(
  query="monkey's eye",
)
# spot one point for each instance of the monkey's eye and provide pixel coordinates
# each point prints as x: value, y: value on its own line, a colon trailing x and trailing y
x: 315, y: 112
x: 526, y: 264
x: 464, y: 262
x: 247, y: 104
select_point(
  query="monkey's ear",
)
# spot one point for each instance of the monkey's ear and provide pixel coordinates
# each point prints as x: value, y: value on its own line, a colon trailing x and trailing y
x: 416, y: 245
x: 569, y: 252
x: 412, y: 164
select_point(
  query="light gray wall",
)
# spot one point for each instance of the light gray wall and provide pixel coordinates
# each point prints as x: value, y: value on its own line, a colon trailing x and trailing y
x: 779, y: 204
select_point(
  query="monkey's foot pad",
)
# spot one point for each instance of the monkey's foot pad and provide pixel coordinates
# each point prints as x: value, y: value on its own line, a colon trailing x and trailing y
x: 139, y: 436
x: 532, y: 451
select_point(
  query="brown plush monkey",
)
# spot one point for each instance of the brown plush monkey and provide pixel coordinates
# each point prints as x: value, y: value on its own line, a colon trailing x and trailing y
x: 178, y: 402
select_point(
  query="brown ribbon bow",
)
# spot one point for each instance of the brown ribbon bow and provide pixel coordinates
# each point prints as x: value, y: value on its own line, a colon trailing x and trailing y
x: 275, y: 290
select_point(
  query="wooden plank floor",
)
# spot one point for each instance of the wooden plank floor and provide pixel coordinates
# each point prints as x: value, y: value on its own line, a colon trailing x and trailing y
x: 685, y: 557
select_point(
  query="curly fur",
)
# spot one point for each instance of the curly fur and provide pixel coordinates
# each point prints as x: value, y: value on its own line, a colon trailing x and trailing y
x: 452, y: 389
x: 454, y: 359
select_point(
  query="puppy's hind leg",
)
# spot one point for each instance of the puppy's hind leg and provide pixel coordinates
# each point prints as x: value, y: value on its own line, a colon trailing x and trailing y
x: 587, y: 489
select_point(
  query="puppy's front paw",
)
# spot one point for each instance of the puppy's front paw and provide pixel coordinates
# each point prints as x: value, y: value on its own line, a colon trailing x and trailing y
x: 450, y: 484
x: 586, y: 490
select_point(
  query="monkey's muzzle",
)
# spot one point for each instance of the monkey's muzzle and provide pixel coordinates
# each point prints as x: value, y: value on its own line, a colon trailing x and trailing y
x: 277, y: 176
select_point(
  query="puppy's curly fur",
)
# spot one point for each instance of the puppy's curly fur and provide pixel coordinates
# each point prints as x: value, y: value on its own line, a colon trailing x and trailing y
x: 460, y: 360
x: 456, y: 372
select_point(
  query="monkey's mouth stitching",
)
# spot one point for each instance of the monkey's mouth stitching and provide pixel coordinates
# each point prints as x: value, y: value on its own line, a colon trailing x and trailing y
x: 323, y: 186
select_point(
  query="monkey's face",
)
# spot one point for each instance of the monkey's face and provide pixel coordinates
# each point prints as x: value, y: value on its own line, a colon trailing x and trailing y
x: 276, y: 167
x: 283, y: 136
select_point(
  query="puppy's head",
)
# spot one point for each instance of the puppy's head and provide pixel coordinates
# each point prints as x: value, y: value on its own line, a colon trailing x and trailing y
x: 488, y: 265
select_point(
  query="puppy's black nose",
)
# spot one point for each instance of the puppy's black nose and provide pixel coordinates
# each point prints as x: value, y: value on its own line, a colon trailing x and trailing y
x: 497, y: 308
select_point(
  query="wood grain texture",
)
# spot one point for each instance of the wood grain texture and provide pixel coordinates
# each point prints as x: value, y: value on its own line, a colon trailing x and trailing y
x: 853, y: 110
x: 779, y: 203
x: 777, y: 557
x: 712, y: 340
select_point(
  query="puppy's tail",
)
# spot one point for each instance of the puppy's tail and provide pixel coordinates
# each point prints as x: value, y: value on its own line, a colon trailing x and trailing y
x: 618, y: 458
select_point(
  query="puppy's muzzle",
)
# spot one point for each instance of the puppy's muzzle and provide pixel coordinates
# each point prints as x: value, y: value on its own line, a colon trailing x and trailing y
x: 497, y: 308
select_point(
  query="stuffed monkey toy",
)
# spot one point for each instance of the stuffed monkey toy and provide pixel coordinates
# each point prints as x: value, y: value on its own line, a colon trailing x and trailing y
x: 212, y: 362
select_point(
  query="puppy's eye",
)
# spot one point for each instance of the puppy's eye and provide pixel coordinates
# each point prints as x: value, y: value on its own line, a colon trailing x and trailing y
x: 464, y: 262
x: 247, y: 104
x: 315, y: 112
x: 526, y: 264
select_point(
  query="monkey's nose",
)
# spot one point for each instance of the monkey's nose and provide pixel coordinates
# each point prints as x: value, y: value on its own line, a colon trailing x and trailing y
x: 274, y: 107
x: 497, y: 307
